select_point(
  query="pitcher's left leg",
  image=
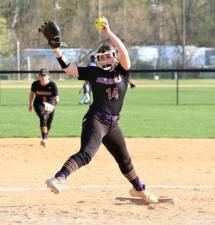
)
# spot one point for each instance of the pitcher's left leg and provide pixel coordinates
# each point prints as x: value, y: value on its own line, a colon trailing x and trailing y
x: 115, y: 143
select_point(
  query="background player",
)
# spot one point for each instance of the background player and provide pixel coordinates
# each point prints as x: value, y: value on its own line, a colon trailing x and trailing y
x: 86, y: 88
x: 43, y: 97
x: 109, y: 83
x: 91, y: 61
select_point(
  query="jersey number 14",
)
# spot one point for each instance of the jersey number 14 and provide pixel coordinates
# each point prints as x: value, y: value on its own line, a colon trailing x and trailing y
x: 112, y: 94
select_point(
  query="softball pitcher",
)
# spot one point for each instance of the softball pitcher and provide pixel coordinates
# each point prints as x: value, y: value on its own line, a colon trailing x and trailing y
x: 109, y: 81
x: 43, y: 97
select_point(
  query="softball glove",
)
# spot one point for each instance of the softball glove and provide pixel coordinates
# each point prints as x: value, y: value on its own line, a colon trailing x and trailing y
x: 48, y: 107
x: 52, y: 33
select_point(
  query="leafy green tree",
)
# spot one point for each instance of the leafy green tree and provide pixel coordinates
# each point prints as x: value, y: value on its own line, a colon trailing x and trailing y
x: 137, y: 22
x: 6, y: 46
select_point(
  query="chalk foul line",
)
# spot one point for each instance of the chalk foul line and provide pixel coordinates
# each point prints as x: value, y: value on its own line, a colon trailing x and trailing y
x: 79, y: 187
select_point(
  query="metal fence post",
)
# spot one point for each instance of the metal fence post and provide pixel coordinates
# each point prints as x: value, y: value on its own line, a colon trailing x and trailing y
x: 176, y: 78
x: 0, y: 91
x: 29, y: 67
x: 18, y: 58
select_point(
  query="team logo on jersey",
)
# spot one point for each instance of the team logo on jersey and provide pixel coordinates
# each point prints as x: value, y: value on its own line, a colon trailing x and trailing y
x: 104, y: 80
x: 46, y: 93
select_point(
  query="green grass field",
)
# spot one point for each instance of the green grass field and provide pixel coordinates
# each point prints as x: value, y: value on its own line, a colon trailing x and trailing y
x: 149, y: 110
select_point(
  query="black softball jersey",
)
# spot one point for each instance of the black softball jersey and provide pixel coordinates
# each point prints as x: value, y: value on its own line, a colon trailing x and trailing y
x: 108, y: 88
x: 44, y: 93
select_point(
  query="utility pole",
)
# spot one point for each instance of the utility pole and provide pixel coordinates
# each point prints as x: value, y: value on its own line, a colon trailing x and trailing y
x: 124, y: 19
x: 99, y: 14
x: 183, y: 9
x: 56, y: 8
x: 99, y: 8
x: 17, y: 43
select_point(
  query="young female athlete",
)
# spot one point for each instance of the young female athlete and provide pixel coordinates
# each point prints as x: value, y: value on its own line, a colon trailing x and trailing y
x: 43, y: 97
x: 109, y: 83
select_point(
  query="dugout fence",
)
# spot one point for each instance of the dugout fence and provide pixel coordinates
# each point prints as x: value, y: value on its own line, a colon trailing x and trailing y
x: 154, y: 86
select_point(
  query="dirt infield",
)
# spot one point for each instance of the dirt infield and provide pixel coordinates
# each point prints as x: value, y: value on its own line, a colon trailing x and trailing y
x: 97, y: 194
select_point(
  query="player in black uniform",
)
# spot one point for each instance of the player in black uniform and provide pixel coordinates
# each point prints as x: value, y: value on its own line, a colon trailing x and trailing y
x: 100, y: 124
x: 43, y: 97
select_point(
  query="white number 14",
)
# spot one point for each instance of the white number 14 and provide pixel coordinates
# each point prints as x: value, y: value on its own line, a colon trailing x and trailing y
x: 112, y: 93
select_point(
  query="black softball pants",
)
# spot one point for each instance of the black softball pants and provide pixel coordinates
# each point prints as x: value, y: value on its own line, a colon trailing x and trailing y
x: 45, y: 118
x: 95, y: 132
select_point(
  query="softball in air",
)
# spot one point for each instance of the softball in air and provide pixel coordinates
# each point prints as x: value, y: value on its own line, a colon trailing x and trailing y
x: 100, y: 22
